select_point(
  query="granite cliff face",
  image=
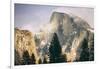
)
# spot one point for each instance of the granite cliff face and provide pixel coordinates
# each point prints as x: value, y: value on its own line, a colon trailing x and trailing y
x: 24, y: 42
x: 75, y: 35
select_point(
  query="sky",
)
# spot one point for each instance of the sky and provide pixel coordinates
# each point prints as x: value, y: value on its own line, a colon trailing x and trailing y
x: 33, y: 17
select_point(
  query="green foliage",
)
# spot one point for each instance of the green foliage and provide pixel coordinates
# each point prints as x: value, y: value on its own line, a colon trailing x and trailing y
x: 39, y: 61
x: 28, y: 59
x: 32, y: 59
x: 55, y: 50
x: 85, y: 53
x: 17, y: 58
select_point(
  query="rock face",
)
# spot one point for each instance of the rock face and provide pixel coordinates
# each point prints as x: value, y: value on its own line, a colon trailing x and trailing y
x: 24, y: 42
x: 63, y: 21
x: 75, y: 35
x: 70, y: 39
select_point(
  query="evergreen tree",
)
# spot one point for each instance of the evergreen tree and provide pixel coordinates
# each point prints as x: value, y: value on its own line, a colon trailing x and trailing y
x: 84, y: 56
x: 17, y: 58
x: 55, y: 50
x: 26, y: 58
x: 91, y: 58
x: 33, y: 59
x: 40, y: 61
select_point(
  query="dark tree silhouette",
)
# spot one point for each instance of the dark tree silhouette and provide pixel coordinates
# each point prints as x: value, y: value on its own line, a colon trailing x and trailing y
x: 17, y: 58
x: 32, y: 59
x: 55, y: 50
x: 91, y: 58
x: 84, y: 56
x: 26, y: 58
x: 39, y: 61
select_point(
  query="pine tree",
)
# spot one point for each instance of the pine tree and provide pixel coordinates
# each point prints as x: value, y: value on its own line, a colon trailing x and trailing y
x: 17, y: 58
x: 84, y: 56
x: 55, y: 50
x: 33, y: 59
x: 40, y: 61
x: 26, y: 58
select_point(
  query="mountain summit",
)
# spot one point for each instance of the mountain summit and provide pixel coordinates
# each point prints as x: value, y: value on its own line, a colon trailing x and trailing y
x: 72, y: 31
